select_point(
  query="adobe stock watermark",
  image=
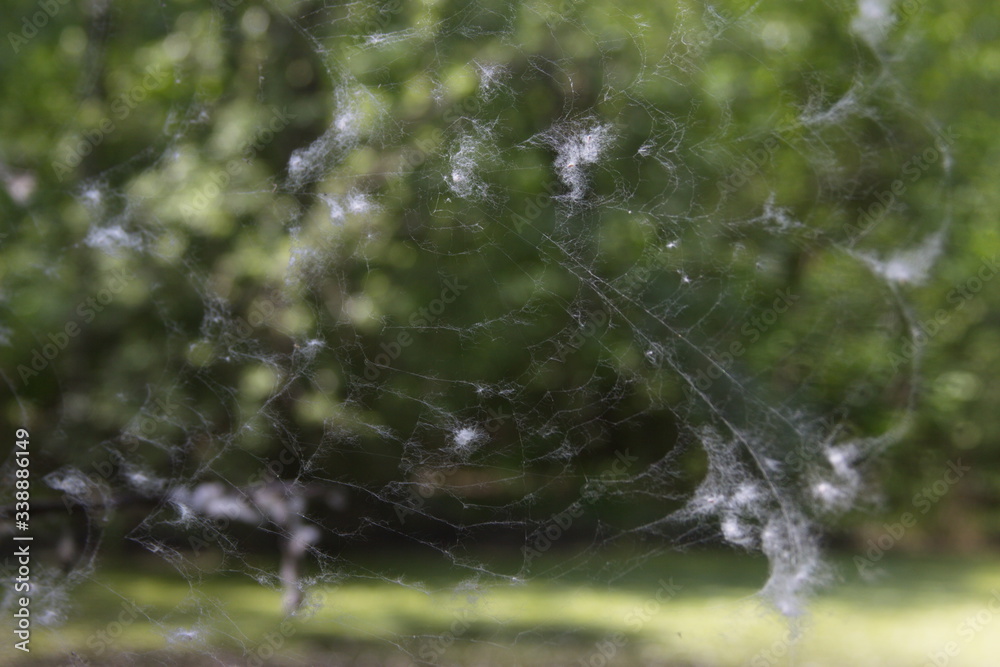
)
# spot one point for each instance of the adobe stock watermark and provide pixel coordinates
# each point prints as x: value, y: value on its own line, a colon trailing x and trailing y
x: 265, y: 650
x: 275, y: 468
x: 104, y: 468
x: 433, y: 649
x: 225, y: 6
x: 837, y: 425
x: 592, y: 323
x: 958, y: 296
x: 429, y: 482
x: 750, y: 164
x: 102, y: 640
x: 426, y: 316
x: 966, y: 630
x: 926, y: 329
x: 557, y: 11
x: 219, y: 179
x: 923, y: 501
x: 543, y: 538
x: 901, y: 11
x: 594, y: 320
x: 121, y: 107
x: 426, y: 486
x: 382, y: 18
x: 87, y: 310
x: 258, y: 315
x: 430, y: 144
x: 32, y: 24
x: 606, y: 650
x: 752, y: 329
x: 913, y: 169
x: 146, y: 424
x: 777, y: 652
x: 535, y: 206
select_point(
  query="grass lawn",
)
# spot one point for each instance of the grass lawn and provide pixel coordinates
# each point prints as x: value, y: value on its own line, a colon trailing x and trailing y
x: 679, y: 609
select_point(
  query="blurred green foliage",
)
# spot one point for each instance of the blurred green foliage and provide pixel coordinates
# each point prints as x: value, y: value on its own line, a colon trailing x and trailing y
x: 194, y: 198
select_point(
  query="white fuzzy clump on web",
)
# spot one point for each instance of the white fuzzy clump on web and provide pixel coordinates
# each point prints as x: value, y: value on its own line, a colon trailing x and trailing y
x: 88, y: 491
x: 873, y: 20
x: 354, y: 203
x: 213, y: 500
x: 578, y: 144
x: 791, y: 543
x: 93, y: 195
x: 113, y: 239
x: 757, y: 502
x: 336, y: 208
x: 492, y: 78
x: 347, y: 127
x: 908, y: 266
x: 838, y: 489
x: 467, y: 439
x: 143, y: 481
x: 465, y: 161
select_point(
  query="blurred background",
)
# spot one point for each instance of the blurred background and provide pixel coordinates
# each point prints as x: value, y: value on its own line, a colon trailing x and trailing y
x: 503, y: 333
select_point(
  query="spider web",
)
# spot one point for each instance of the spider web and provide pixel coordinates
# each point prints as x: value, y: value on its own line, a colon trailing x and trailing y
x: 529, y: 263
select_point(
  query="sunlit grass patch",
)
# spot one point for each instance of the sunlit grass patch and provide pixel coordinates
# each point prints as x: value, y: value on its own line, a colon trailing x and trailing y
x: 695, y: 609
